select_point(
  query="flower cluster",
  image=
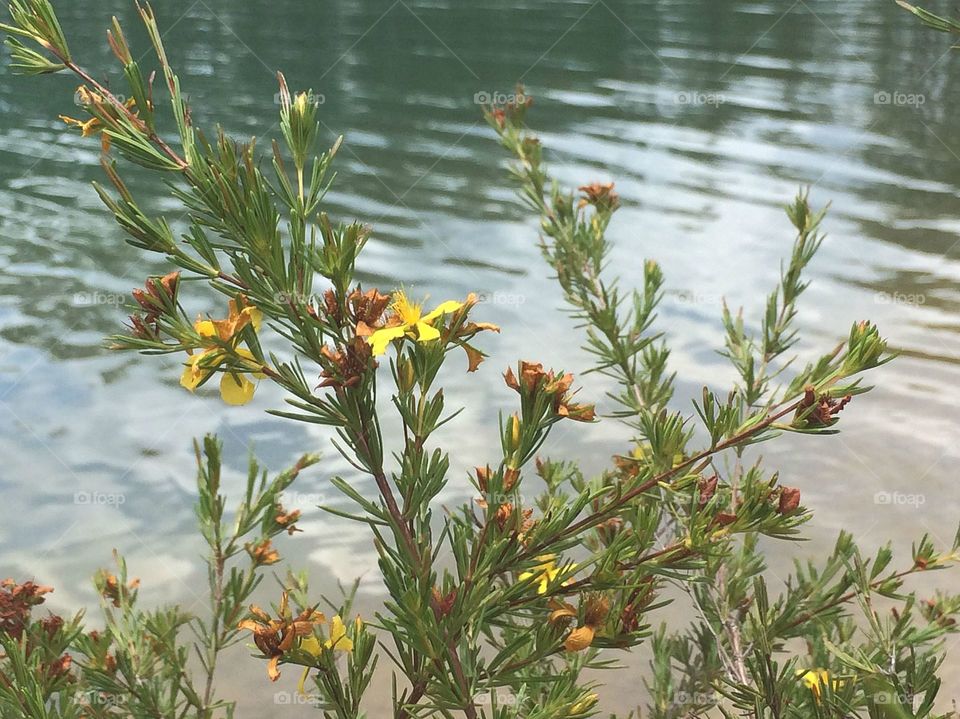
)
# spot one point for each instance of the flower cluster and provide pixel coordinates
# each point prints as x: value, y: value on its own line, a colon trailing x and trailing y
x: 220, y: 350
x: 297, y: 639
x: 534, y: 379
x: 16, y: 603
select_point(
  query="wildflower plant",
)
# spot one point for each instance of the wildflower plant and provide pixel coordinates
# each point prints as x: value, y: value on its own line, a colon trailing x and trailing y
x: 499, y: 597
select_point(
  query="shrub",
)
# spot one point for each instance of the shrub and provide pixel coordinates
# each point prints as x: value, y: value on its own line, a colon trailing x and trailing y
x: 538, y: 593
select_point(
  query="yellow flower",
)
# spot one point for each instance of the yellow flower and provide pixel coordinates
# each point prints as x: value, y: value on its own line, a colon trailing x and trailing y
x: 90, y: 127
x: 241, y: 315
x: 408, y: 320
x: 275, y: 637
x: 816, y: 679
x: 87, y: 128
x: 546, y: 572
x: 338, y: 642
x: 235, y: 387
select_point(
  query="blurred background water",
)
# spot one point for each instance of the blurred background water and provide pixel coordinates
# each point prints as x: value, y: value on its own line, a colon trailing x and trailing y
x: 709, y: 115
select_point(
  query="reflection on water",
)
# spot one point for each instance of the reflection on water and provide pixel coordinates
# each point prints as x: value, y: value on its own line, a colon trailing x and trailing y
x: 707, y: 114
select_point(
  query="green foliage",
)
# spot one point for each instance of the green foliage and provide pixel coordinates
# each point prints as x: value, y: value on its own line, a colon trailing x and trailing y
x: 548, y: 570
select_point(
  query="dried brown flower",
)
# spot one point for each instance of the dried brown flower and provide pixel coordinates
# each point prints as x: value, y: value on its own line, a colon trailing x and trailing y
x: 366, y: 310
x: 287, y: 520
x: 601, y: 195
x: 532, y: 376
x: 274, y: 637
x: 16, y: 602
x: 708, y: 488
x: 789, y: 500
x: 442, y: 605
x: 346, y: 367
x: 819, y: 411
x: 263, y: 554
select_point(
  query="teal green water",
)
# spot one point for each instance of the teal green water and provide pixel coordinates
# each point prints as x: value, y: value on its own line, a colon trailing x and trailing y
x: 708, y: 115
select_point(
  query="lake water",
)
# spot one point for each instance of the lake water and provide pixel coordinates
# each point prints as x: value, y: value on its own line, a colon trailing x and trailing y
x: 709, y: 115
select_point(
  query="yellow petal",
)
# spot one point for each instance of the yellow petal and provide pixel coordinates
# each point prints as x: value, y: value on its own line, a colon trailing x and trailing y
x: 427, y: 333
x: 303, y: 681
x: 339, y: 641
x: 191, y: 377
x: 311, y: 645
x: 236, y: 389
x: 561, y: 611
x: 443, y: 309
x: 205, y: 328
x: 381, y: 338
x: 197, y: 369
x: 255, y: 316
x: 253, y: 364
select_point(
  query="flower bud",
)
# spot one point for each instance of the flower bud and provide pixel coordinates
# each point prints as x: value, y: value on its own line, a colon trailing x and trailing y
x: 512, y: 435
x: 584, y: 704
x: 406, y: 376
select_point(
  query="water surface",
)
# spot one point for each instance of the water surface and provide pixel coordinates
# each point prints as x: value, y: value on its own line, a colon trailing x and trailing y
x: 709, y: 115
